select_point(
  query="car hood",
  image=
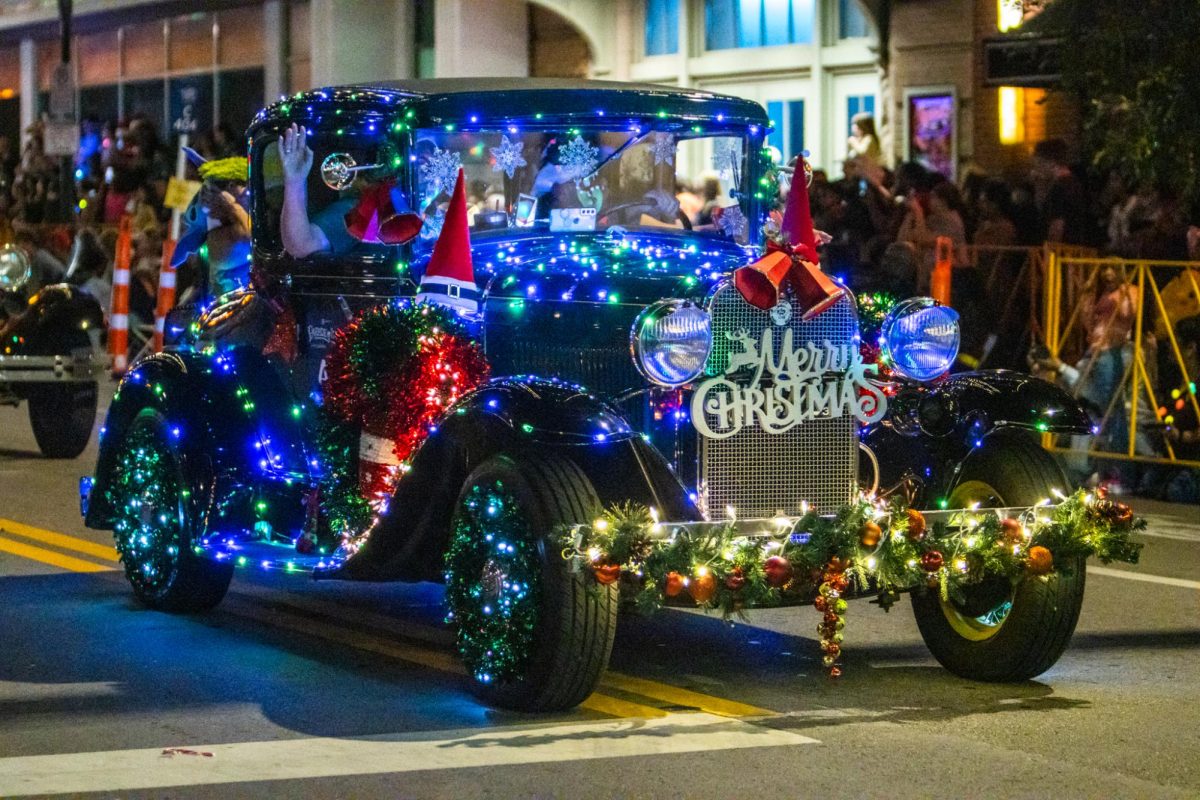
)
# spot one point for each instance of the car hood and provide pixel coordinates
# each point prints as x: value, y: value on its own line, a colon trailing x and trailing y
x: 631, y: 266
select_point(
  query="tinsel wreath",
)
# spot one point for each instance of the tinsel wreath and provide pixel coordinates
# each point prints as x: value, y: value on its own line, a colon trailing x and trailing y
x: 394, y: 370
x: 866, y: 546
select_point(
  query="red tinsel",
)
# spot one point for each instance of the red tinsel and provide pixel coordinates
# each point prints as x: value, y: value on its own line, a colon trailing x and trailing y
x: 444, y: 369
x: 420, y: 382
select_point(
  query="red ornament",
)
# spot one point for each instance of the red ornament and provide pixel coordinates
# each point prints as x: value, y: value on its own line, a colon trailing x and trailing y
x: 932, y: 561
x: 835, y: 672
x: 1013, y: 530
x: 673, y: 585
x: 778, y: 571
x: 606, y: 573
x: 735, y: 580
x: 916, y: 525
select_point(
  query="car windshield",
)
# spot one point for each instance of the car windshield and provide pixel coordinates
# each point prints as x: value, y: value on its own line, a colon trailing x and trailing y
x: 581, y: 180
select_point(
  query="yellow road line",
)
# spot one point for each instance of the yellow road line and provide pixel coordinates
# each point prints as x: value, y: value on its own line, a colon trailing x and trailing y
x: 51, y: 557
x: 432, y: 659
x: 59, y: 540
x: 402, y: 651
x: 682, y: 697
x: 616, y: 707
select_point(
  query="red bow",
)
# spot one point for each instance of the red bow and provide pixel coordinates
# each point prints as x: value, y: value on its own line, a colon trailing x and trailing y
x: 762, y: 283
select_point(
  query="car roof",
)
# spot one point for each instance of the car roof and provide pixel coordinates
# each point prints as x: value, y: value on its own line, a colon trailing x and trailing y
x: 488, y: 101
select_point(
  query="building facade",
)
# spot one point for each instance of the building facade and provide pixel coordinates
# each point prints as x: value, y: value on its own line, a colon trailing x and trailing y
x: 917, y: 66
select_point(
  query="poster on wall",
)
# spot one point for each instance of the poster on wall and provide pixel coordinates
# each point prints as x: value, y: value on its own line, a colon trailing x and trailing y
x: 931, y: 134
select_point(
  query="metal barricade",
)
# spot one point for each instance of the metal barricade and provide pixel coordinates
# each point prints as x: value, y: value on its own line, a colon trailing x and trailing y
x: 1113, y: 331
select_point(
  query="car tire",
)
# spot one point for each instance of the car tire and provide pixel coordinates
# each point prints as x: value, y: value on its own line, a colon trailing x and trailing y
x: 1005, y: 633
x: 62, y: 416
x: 573, y: 618
x: 154, y: 526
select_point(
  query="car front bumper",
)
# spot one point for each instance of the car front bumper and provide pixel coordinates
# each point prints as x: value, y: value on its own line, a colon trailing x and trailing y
x: 48, y: 369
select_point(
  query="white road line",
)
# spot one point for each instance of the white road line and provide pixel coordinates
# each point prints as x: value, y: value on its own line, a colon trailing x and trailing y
x: 128, y: 770
x: 1138, y: 576
x: 1163, y: 526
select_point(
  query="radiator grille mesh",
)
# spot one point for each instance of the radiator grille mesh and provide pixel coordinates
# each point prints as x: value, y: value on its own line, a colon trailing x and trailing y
x: 761, y: 474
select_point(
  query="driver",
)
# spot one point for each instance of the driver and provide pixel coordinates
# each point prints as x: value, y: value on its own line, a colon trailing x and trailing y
x: 365, y: 212
x: 301, y: 236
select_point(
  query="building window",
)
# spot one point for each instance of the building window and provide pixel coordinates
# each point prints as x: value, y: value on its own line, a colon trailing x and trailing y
x: 787, y: 119
x: 852, y: 22
x: 858, y: 104
x: 757, y: 23
x: 662, y: 27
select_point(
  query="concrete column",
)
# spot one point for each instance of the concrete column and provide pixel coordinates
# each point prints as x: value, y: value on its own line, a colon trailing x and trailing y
x: 356, y: 42
x: 623, y: 44
x: 474, y: 39
x: 685, y: 42
x: 28, y: 85
x: 275, y: 50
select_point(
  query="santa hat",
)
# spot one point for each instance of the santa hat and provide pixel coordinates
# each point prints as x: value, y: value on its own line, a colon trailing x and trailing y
x: 797, y: 225
x: 449, y: 277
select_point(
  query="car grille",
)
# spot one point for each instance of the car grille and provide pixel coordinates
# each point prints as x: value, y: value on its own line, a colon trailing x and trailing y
x: 762, y: 474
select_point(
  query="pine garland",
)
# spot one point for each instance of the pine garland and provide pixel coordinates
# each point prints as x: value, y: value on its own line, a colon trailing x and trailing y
x: 864, y: 548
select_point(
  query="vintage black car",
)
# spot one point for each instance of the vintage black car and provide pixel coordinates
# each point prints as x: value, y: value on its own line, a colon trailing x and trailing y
x: 49, y: 355
x: 615, y: 342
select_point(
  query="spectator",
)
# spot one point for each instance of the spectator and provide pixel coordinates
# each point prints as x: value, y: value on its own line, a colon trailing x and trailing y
x: 922, y: 228
x: 46, y: 268
x: 863, y: 141
x: 712, y: 200
x: 1064, y: 215
x: 995, y: 226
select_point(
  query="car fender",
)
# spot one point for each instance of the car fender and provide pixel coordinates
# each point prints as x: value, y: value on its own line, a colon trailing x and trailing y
x: 509, y: 416
x: 984, y: 400
x: 58, y: 319
x: 234, y: 425
x: 931, y: 430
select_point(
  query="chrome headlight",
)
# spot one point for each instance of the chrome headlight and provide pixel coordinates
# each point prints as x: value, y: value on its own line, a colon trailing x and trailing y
x: 919, y: 338
x: 15, y: 270
x: 670, y: 342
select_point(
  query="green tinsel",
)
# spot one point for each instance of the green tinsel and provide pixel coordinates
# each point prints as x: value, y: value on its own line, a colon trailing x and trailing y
x: 344, y: 508
x: 144, y: 493
x: 872, y: 309
x: 493, y: 584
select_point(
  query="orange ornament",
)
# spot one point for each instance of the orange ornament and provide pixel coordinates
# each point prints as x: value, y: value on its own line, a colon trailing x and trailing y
x: 916, y: 525
x: 673, y: 585
x: 703, y: 587
x: 870, y: 533
x: 1040, y: 560
x: 606, y: 573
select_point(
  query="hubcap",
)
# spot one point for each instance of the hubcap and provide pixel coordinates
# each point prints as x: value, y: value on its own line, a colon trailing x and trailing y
x: 145, y: 496
x: 973, y: 626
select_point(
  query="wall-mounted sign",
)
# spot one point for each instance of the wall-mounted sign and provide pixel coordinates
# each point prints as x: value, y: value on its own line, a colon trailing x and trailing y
x: 1022, y: 61
x: 931, y: 128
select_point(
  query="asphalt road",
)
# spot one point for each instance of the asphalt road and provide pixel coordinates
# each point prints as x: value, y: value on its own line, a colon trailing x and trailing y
x: 298, y: 689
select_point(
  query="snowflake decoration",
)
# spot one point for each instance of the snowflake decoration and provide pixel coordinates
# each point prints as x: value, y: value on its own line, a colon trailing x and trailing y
x: 432, y: 227
x: 663, y: 149
x: 509, y: 156
x: 732, y: 222
x: 440, y: 171
x: 579, y: 156
x: 727, y: 157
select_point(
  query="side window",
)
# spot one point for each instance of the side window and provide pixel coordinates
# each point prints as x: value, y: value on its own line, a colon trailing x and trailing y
x: 355, y: 185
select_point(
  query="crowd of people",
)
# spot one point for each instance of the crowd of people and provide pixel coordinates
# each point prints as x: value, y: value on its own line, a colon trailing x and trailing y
x: 882, y: 225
